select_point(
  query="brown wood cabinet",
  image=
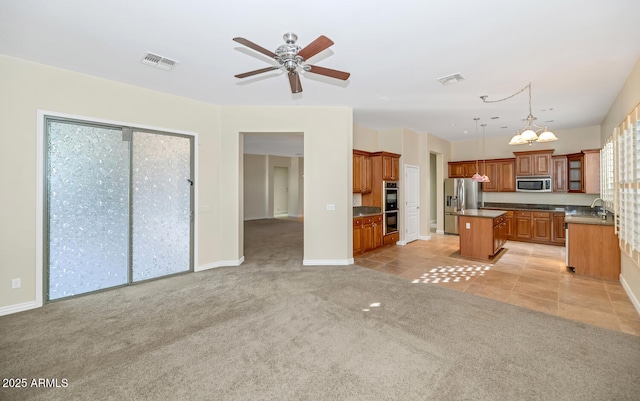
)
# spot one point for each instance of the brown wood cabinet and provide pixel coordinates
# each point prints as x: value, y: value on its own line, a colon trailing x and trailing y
x: 541, y: 226
x: 591, y: 173
x: 362, y: 177
x: 574, y: 172
x: 594, y: 251
x: 583, y: 171
x: 522, y: 225
x: 508, y: 219
x: 501, y: 172
x: 558, y: 234
x: 367, y: 233
x: 484, y: 237
x: 462, y: 169
x: 559, y: 173
x: 533, y: 162
x: 390, y: 167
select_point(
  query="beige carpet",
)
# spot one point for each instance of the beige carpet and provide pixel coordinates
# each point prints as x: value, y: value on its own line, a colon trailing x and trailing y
x: 273, y: 329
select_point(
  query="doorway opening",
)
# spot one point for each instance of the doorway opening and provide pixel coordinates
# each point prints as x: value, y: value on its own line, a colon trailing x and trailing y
x: 273, y: 191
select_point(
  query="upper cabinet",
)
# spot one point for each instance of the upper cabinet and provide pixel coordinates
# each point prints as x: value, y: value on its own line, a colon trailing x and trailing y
x: 533, y: 162
x: 501, y: 172
x: 465, y: 169
x: 591, y: 173
x: 361, y: 172
x: 559, y: 173
x: 390, y: 167
x: 583, y: 172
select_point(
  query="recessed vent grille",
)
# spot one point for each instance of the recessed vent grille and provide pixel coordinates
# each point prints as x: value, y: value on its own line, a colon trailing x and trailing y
x: 158, y: 61
x: 451, y: 79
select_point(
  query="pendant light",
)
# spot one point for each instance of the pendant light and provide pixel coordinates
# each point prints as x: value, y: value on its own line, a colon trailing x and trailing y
x: 484, y: 177
x: 477, y: 177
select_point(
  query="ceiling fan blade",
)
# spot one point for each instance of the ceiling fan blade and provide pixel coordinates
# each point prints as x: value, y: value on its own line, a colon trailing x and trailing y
x: 315, y: 47
x: 328, y: 72
x: 255, y: 47
x: 255, y: 72
x: 294, y: 81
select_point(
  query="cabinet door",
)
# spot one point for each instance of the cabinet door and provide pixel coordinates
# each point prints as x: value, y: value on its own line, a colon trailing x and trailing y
x: 507, y: 176
x: 357, y: 240
x: 377, y: 235
x: 524, y: 165
x: 574, y: 173
x: 367, y: 237
x: 522, y: 226
x: 541, y: 226
x: 367, y: 175
x: 357, y: 173
x: 456, y: 170
x: 508, y: 221
x: 496, y: 238
x: 470, y: 168
x: 558, y: 235
x: 387, y: 168
x: 591, y: 171
x: 559, y: 173
x: 491, y: 170
x: 541, y: 164
x: 395, y: 168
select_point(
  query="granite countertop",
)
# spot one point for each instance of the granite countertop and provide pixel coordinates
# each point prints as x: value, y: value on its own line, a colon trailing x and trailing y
x: 529, y: 207
x: 594, y: 220
x: 490, y: 214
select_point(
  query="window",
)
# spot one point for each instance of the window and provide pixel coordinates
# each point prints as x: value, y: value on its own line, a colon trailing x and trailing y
x: 620, y: 172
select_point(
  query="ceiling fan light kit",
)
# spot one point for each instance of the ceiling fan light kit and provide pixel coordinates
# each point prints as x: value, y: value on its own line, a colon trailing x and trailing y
x: 531, y: 132
x: 293, y: 58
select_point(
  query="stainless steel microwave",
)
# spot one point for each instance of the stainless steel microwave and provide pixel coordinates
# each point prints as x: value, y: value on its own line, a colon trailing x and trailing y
x: 533, y: 184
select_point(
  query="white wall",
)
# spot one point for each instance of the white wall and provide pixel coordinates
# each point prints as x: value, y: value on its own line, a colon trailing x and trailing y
x: 442, y: 149
x: 256, y: 202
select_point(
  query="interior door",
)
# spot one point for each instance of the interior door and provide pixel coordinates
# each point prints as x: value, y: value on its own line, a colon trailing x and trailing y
x: 412, y: 202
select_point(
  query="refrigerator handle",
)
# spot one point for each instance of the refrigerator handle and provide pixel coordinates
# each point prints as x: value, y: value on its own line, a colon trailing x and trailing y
x: 460, y: 193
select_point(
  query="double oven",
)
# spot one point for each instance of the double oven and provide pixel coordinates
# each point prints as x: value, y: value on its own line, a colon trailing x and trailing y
x: 390, y: 206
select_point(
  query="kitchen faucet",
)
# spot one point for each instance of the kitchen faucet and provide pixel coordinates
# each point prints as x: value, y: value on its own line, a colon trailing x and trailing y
x: 602, y: 213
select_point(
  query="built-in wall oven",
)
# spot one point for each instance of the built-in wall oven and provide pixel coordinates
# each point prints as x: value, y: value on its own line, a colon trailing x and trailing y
x: 390, y: 203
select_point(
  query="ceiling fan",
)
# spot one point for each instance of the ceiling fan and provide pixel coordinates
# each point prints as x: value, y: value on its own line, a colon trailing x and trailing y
x: 292, y: 57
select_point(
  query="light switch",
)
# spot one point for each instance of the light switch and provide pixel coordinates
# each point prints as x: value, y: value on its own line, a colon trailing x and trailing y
x: 331, y: 206
x: 468, y: 226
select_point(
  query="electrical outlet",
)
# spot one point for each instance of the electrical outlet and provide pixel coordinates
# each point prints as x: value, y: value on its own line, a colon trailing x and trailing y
x: 468, y: 226
x: 16, y: 283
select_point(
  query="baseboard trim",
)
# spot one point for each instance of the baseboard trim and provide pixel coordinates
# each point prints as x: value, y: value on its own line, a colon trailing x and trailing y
x: 630, y: 294
x: 424, y: 238
x: 439, y: 231
x: 222, y: 263
x: 327, y: 262
x: 8, y: 310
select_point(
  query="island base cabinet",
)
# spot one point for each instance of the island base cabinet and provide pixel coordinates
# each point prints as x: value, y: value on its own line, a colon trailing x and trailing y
x: 481, y: 237
x: 594, y: 251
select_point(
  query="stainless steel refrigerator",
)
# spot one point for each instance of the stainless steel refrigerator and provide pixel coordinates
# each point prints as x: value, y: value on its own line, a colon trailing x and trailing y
x: 459, y: 194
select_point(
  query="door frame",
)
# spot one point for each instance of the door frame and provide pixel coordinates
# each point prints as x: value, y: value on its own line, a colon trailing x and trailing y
x: 408, y: 167
x: 40, y: 179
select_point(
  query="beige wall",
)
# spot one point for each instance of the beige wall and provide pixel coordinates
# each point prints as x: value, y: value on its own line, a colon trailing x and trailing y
x: 256, y: 204
x: 442, y: 149
x: 328, y: 133
x: 627, y: 99
x: 296, y: 187
x: 365, y: 138
x: 27, y: 87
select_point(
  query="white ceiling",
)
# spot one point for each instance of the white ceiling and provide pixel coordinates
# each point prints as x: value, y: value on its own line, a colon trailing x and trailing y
x: 576, y: 53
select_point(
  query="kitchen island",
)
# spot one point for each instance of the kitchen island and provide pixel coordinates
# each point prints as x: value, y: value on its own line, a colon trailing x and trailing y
x: 483, y: 233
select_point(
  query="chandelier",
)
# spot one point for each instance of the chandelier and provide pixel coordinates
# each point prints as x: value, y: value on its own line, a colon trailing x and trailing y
x: 531, y: 132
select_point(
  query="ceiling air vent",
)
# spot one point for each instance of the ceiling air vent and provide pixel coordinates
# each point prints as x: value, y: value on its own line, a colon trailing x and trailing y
x: 451, y: 79
x: 158, y: 61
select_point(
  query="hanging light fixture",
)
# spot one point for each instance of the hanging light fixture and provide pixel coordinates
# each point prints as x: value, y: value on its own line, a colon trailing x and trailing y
x: 531, y: 132
x: 477, y: 177
x: 484, y: 177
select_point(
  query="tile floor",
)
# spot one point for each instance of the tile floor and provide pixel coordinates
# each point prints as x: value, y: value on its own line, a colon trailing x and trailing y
x: 529, y: 275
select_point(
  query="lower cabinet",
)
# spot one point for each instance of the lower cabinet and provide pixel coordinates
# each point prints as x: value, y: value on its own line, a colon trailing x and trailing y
x: 558, y: 232
x: 593, y: 251
x: 367, y: 233
x: 541, y: 227
x: 522, y: 225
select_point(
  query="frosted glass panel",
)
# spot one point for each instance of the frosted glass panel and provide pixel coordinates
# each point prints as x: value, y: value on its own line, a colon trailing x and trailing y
x: 161, y: 205
x: 88, y: 208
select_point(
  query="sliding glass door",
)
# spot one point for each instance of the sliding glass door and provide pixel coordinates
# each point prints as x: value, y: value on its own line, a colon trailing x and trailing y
x: 118, y: 206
